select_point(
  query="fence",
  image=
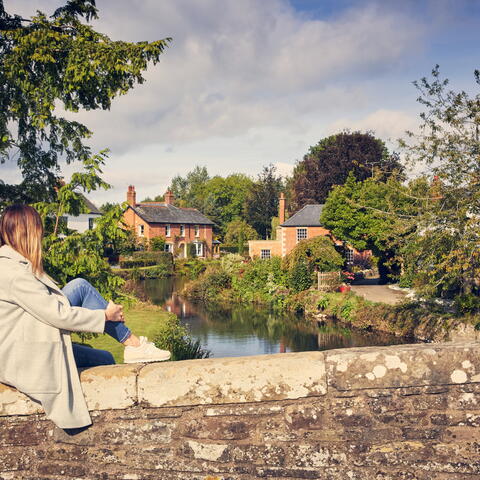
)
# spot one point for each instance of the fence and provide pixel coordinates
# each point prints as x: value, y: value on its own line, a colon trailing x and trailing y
x: 328, y: 280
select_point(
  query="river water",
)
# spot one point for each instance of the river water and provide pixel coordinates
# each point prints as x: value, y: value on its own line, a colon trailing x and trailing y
x: 253, y: 330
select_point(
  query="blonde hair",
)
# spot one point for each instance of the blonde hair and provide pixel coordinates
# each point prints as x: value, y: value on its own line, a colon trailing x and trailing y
x: 21, y: 228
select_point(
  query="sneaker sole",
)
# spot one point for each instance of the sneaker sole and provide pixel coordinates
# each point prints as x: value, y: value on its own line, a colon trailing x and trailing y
x: 149, y: 360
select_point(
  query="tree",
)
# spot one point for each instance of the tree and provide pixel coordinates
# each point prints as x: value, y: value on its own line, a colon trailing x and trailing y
x: 69, y: 254
x: 444, y: 253
x: 239, y: 231
x: 188, y: 191
x: 317, y: 254
x: 329, y: 162
x: 375, y: 215
x: 48, y: 62
x: 223, y: 199
x: 262, y: 200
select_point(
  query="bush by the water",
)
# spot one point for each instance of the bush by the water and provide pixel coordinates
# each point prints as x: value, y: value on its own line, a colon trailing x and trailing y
x: 148, y: 259
x: 174, y: 337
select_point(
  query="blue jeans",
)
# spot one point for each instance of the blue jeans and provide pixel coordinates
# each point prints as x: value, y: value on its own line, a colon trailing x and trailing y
x: 81, y: 294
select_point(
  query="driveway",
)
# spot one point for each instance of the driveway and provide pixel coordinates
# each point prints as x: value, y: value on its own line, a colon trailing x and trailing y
x: 371, y: 290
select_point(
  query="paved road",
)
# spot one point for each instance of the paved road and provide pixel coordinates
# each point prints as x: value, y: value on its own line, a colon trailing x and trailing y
x: 370, y: 290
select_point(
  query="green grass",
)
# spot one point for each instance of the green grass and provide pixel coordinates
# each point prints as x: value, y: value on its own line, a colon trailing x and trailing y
x: 141, y: 319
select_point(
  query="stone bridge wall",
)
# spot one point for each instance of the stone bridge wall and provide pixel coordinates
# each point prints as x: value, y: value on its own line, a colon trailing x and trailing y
x: 402, y: 412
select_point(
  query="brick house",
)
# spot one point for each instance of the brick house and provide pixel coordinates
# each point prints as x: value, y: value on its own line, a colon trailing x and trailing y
x: 179, y: 226
x: 302, y: 225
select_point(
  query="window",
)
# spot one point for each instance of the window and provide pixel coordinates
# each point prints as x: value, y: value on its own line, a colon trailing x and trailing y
x: 198, y: 249
x: 349, y: 254
x: 265, y: 253
x: 182, y: 230
x: 90, y: 223
x: 169, y: 247
x: 301, y: 234
x: 197, y: 230
x: 167, y: 230
x: 141, y: 230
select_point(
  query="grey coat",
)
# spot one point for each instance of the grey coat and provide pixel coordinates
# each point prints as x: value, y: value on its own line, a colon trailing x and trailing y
x: 36, y: 355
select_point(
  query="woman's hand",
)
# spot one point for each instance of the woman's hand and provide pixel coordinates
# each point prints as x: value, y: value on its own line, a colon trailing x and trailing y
x: 114, y: 312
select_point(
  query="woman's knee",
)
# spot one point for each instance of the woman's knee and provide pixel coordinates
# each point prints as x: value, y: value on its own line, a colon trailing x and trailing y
x: 105, y: 358
x: 77, y: 283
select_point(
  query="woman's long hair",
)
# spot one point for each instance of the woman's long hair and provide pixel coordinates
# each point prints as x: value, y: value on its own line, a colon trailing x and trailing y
x: 21, y: 228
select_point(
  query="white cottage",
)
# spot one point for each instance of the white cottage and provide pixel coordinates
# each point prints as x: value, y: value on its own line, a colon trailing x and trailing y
x: 84, y: 221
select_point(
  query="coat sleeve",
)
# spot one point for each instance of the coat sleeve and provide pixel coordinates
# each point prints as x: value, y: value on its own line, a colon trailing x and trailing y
x: 35, y: 298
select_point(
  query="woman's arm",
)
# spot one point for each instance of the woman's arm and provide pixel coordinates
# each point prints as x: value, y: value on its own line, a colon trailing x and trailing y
x: 35, y: 298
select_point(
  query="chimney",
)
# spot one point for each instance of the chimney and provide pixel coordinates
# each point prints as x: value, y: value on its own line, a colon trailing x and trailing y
x: 169, y: 198
x: 281, y: 208
x: 131, y: 196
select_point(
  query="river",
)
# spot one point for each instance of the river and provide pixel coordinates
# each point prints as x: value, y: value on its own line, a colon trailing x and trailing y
x: 254, y: 330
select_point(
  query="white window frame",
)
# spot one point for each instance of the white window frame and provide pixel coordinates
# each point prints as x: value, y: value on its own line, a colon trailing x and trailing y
x: 349, y: 255
x: 168, y: 230
x: 300, y: 234
x: 197, y: 231
x: 182, y: 230
x: 169, y: 247
x: 265, y: 253
x: 198, y: 249
x: 141, y: 230
x: 91, y: 223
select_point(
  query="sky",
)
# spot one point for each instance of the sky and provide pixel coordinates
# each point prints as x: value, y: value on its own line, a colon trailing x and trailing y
x: 247, y: 83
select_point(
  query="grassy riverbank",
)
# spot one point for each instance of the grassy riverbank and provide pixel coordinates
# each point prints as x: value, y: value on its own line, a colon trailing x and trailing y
x: 268, y: 282
x: 143, y: 319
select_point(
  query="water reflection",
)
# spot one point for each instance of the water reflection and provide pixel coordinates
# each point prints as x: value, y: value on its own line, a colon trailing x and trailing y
x: 253, y: 330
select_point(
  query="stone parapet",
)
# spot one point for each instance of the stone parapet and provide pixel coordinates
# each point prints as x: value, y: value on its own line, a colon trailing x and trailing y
x: 400, y: 412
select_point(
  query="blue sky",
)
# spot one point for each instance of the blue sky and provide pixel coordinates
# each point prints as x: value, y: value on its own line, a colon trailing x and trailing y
x: 246, y: 83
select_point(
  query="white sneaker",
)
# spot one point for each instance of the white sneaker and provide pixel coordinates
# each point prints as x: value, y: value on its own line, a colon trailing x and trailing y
x: 146, y: 352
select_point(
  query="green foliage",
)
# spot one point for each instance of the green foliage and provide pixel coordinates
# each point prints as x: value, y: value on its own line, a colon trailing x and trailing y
x: 68, y: 255
x: 157, y: 244
x: 467, y: 304
x: 58, y: 62
x: 162, y: 260
x: 261, y: 281
x: 174, y: 337
x: 262, y: 201
x: 191, y: 250
x: 238, y: 231
x: 330, y: 161
x: 232, y: 263
x: 317, y: 253
x: 299, y: 277
x: 207, y: 287
x: 444, y: 251
x: 136, y: 263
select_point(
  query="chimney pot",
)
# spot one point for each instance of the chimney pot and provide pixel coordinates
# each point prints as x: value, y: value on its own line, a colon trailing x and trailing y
x: 131, y: 196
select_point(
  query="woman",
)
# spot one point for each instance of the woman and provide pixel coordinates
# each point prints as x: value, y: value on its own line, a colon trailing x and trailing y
x: 36, y: 318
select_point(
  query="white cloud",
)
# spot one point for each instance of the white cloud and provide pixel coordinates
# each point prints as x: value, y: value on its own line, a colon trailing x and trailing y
x: 244, y: 83
x: 389, y: 125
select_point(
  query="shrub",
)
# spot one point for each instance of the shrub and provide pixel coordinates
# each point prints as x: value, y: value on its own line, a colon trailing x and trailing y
x: 157, y: 244
x: 135, y: 263
x: 318, y: 253
x: 468, y: 303
x: 299, y: 278
x: 173, y: 336
x: 232, y: 263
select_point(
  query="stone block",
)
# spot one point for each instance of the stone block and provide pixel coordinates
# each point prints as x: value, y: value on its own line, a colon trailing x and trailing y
x: 233, y: 380
x: 13, y: 402
x: 403, y: 366
x: 112, y: 386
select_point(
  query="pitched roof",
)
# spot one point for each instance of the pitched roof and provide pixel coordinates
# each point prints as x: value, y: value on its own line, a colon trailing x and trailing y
x: 308, y: 216
x: 91, y: 207
x: 167, y: 213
